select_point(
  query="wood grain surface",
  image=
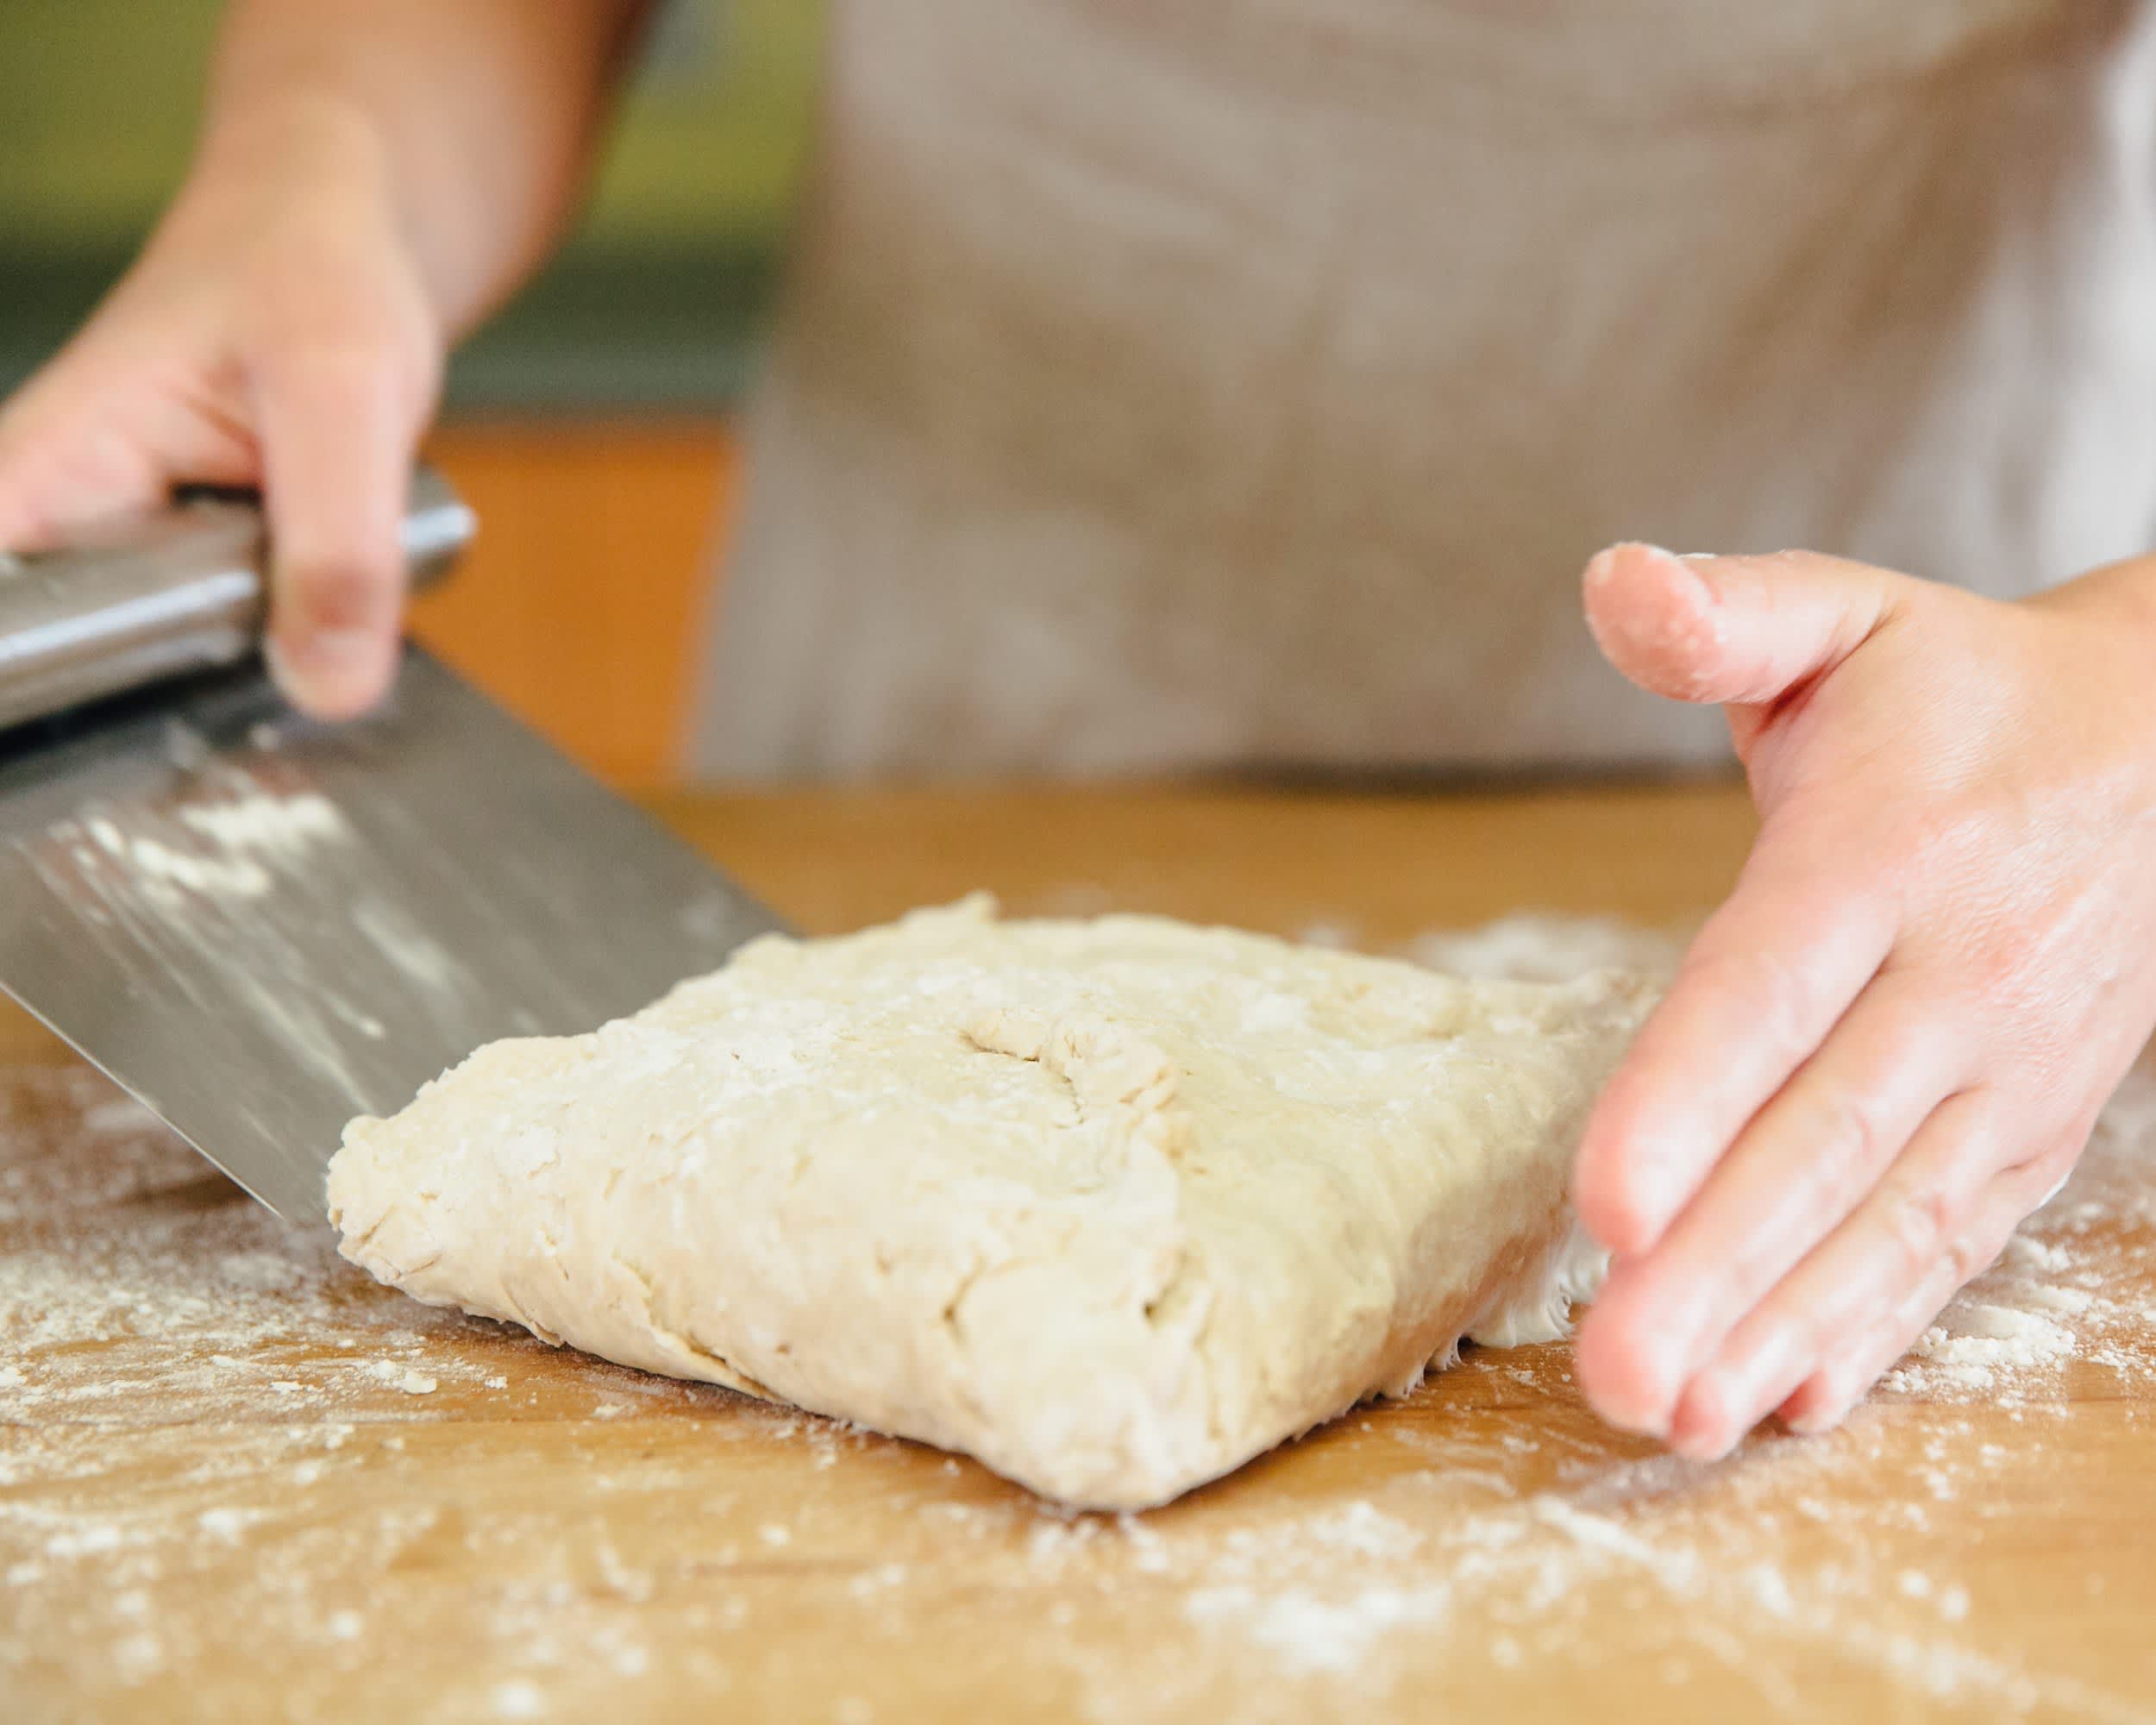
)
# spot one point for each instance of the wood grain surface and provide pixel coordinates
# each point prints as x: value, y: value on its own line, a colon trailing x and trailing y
x: 239, y: 1481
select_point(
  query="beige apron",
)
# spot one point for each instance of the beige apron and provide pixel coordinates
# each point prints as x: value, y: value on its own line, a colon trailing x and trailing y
x: 1244, y: 385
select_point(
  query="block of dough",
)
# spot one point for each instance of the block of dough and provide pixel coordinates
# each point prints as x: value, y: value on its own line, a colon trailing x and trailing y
x: 1113, y: 1205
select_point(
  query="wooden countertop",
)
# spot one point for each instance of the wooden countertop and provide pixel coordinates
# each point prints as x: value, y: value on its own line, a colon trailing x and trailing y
x: 240, y: 1481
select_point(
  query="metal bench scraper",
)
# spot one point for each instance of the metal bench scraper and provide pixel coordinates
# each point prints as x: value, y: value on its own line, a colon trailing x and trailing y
x: 261, y: 925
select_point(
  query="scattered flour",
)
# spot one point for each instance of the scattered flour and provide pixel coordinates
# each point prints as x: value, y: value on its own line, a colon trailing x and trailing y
x: 1540, y: 949
x: 1307, y: 1633
x: 1525, y: 1538
x: 520, y: 1699
x: 223, y: 1524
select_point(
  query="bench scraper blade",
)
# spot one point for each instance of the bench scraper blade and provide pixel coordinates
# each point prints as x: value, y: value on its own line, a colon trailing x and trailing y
x: 261, y: 925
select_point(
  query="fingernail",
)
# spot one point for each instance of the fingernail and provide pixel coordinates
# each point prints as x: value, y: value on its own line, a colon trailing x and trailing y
x: 332, y: 675
x: 1706, y: 1443
x: 1696, y: 1428
x: 1646, y: 1219
x: 1677, y: 556
x: 1653, y: 1415
x: 1821, y: 1419
x: 1643, y: 1424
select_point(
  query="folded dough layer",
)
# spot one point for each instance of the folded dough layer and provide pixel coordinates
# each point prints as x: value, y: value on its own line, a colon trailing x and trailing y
x: 1113, y: 1205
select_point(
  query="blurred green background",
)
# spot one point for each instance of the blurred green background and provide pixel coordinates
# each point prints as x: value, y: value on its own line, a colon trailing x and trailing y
x: 653, y: 304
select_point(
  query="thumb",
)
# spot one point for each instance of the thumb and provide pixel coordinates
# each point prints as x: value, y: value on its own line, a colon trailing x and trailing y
x: 338, y: 439
x: 1739, y: 630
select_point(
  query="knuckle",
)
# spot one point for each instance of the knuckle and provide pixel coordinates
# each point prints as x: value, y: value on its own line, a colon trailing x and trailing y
x: 1966, y: 1256
x: 2007, y: 951
x: 1844, y: 1136
x: 1776, y: 995
x: 1921, y: 1224
x: 344, y: 594
x: 2003, y: 961
x: 1930, y: 834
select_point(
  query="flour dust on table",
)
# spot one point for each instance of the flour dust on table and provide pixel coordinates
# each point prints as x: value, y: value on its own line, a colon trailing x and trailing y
x: 219, y: 1499
x: 1113, y: 1205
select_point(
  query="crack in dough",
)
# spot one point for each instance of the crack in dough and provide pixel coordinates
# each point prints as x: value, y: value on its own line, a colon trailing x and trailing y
x: 1113, y: 1205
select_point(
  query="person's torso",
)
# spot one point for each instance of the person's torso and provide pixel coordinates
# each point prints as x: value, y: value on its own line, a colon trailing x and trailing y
x: 1246, y: 386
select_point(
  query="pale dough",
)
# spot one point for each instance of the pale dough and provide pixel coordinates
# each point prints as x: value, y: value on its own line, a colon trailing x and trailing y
x: 1113, y: 1205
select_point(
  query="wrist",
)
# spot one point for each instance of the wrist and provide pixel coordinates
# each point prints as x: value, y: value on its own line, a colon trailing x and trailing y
x: 2122, y: 595
x: 301, y: 157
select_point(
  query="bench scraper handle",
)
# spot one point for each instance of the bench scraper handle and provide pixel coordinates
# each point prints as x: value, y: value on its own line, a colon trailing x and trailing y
x: 133, y: 601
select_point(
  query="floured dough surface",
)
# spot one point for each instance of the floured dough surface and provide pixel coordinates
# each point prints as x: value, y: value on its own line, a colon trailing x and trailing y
x: 1113, y: 1205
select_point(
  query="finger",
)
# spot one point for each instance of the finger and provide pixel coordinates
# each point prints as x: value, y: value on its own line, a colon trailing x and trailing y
x: 1731, y: 630
x: 1803, y: 1165
x: 1850, y: 1368
x: 1913, y: 1230
x: 1763, y: 983
x: 339, y: 432
x: 1853, y: 1283
x: 60, y: 469
x: 1727, y: 1405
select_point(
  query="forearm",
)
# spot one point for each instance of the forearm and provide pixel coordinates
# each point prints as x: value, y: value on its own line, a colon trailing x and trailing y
x: 480, y: 117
